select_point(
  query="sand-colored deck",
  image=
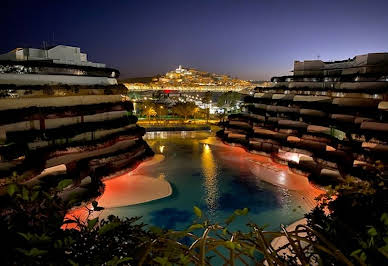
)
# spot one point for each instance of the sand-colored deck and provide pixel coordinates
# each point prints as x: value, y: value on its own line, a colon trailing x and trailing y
x: 281, y: 241
x: 134, y: 187
x: 126, y: 189
x: 157, y: 158
x: 131, y: 189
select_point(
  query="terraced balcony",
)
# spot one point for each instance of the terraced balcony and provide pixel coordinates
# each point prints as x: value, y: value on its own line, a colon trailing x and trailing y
x: 76, y: 137
x: 324, y: 134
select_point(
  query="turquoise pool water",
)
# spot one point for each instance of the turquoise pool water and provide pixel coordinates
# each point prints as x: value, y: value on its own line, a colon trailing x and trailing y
x: 202, y: 176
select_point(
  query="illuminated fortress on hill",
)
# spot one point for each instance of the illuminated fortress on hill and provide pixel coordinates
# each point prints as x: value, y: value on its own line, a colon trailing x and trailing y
x: 190, y: 79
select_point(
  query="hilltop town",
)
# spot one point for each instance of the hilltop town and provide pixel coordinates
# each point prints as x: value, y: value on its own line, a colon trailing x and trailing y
x: 187, y: 79
x: 190, y: 76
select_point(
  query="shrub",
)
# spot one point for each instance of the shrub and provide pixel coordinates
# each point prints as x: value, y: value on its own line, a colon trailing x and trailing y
x: 32, y: 235
x: 354, y: 215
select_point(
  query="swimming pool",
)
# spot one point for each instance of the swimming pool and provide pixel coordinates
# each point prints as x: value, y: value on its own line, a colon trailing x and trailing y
x: 215, y: 180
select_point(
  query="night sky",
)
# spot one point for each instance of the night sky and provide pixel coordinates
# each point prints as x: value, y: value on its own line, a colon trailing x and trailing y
x: 248, y: 39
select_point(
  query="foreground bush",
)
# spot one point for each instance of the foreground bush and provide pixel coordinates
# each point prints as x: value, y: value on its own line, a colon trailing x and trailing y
x: 31, y: 235
x: 354, y: 216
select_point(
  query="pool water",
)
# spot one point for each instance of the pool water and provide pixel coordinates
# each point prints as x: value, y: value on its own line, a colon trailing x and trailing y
x: 204, y: 175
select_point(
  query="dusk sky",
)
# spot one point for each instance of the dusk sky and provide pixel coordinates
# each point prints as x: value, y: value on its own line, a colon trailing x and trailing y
x: 248, y: 39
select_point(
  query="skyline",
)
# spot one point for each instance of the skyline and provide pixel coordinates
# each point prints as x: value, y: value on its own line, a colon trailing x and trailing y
x: 250, y: 39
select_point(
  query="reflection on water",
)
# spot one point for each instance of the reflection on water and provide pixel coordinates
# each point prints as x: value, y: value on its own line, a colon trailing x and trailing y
x: 212, y: 176
x: 163, y: 135
x: 156, y: 135
x: 209, y: 169
x: 161, y: 148
x: 174, y: 134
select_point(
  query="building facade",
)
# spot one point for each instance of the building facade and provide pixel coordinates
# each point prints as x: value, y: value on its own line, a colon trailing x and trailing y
x: 328, y: 121
x: 55, y: 65
x: 372, y: 63
x: 352, y: 73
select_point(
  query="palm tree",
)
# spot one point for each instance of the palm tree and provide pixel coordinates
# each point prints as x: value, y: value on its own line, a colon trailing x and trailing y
x: 161, y: 110
x: 134, y: 96
x: 221, y: 116
x: 228, y: 99
x: 207, y: 99
x: 150, y: 111
x: 185, y: 109
x: 195, y: 111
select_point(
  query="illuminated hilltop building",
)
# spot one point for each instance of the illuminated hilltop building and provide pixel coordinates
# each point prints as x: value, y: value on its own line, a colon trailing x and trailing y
x: 182, y: 71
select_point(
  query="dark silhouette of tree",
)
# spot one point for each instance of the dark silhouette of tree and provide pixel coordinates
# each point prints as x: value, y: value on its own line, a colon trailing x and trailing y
x: 229, y: 98
x: 184, y: 110
x: 207, y: 97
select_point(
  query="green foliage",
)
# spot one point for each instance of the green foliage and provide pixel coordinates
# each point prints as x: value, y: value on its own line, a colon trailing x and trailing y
x: 108, y: 227
x: 162, y: 261
x: 357, y: 221
x: 241, y: 212
x: 213, y: 240
x: 34, y: 252
x: 117, y: 261
x: 384, y: 218
x: 133, y: 96
x: 184, y: 110
x: 64, y: 183
x: 194, y: 227
x: 228, y: 99
x: 32, y: 234
x: 197, y: 211
x: 92, y: 223
x: 207, y: 97
x: 12, y: 188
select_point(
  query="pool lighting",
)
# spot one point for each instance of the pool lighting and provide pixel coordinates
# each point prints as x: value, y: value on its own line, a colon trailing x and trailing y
x: 161, y: 148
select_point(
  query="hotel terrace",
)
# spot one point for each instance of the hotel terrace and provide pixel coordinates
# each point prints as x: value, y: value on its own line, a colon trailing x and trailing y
x: 327, y: 120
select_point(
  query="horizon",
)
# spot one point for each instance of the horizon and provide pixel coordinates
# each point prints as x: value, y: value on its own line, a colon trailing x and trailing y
x: 252, y: 40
